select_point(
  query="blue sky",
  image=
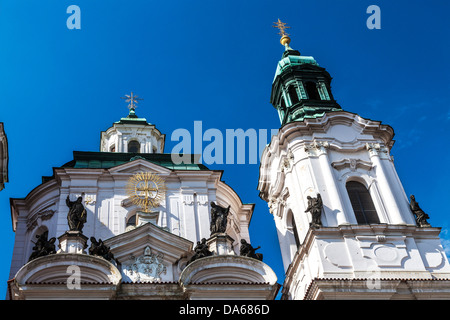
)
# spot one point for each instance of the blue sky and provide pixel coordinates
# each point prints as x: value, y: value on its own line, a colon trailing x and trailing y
x: 214, y: 61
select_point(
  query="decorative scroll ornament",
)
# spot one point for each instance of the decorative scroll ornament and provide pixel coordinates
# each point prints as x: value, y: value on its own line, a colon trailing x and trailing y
x: 146, y: 190
x: 145, y: 268
x: 316, y: 148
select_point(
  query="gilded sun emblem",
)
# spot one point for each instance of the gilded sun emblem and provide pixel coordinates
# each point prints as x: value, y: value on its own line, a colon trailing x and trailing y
x: 146, y: 190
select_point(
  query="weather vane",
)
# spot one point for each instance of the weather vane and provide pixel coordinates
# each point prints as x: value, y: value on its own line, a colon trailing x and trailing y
x: 285, y: 40
x: 132, y: 99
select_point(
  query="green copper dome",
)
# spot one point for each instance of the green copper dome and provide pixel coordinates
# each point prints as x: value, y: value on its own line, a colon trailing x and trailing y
x: 301, y: 88
x: 290, y: 60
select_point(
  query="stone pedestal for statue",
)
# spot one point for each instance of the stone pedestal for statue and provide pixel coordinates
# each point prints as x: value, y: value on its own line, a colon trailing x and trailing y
x: 146, y: 217
x: 220, y: 244
x: 72, y: 242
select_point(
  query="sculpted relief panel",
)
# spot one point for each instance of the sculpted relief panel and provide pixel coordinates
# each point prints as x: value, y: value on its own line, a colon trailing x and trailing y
x: 145, y: 268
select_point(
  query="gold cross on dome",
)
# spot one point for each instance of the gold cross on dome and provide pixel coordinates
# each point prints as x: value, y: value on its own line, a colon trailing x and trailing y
x: 282, y: 26
x: 132, y: 99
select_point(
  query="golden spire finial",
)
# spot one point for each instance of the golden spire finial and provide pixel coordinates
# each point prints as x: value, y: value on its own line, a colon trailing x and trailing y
x: 285, y: 40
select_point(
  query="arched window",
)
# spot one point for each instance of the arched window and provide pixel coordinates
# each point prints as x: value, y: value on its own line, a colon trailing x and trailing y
x: 362, y: 203
x: 134, y: 146
x: 112, y: 148
x: 294, y: 229
x: 131, y: 222
x: 311, y: 90
x: 293, y: 95
x: 283, y: 104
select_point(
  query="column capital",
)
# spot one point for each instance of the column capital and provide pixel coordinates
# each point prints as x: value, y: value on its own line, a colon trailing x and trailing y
x: 316, y: 148
x: 375, y: 149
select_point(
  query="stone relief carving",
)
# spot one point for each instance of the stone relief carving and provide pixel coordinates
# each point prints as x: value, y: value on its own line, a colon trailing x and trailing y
x: 42, y: 215
x: 272, y: 204
x: 353, y: 164
x: 287, y: 161
x: 316, y: 148
x: 376, y: 149
x: 145, y: 268
x: 275, y: 203
x: 384, y: 252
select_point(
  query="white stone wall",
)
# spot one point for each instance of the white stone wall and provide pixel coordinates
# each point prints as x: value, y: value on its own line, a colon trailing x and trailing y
x: 372, y: 253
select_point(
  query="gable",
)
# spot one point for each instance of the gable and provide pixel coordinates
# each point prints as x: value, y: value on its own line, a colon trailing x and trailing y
x: 149, y: 253
x: 134, y: 243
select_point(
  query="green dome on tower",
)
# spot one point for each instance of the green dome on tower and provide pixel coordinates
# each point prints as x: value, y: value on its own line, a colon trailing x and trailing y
x: 301, y: 88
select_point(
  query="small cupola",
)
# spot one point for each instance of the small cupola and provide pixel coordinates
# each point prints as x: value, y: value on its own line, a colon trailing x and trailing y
x: 132, y: 134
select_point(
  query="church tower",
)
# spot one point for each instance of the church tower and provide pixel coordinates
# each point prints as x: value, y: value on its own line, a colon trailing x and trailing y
x: 346, y: 228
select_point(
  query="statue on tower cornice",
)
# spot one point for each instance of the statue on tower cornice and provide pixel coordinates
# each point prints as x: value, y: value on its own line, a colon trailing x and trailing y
x: 315, y: 206
x: 420, y: 216
x: 43, y: 246
x: 201, y: 251
x: 99, y: 248
x: 247, y: 250
x: 219, y: 218
x: 76, y: 217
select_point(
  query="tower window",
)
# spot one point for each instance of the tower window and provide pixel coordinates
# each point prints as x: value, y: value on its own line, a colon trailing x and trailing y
x: 112, y: 148
x: 294, y: 229
x: 293, y: 95
x: 131, y: 221
x: 133, y: 146
x: 362, y: 203
x: 282, y: 103
x: 311, y: 90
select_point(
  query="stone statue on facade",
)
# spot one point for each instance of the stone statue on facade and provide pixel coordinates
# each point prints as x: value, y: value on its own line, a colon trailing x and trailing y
x: 315, y: 206
x: 420, y: 216
x: 43, y: 246
x: 219, y: 218
x: 76, y: 217
x: 200, y: 251
x: 247, y: 250
x: 99, y: 248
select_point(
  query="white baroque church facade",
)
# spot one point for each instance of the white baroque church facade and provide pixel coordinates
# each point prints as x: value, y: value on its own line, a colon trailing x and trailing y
x: 149, y: 254
x: 346, y: 228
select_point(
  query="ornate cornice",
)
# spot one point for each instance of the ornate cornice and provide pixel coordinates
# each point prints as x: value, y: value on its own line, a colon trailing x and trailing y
x: 352, y: 163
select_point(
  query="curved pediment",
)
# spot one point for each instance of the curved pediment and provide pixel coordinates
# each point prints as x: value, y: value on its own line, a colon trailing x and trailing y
x: 134, y: 242
x: 227, y: 269
x: 57, y: 268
